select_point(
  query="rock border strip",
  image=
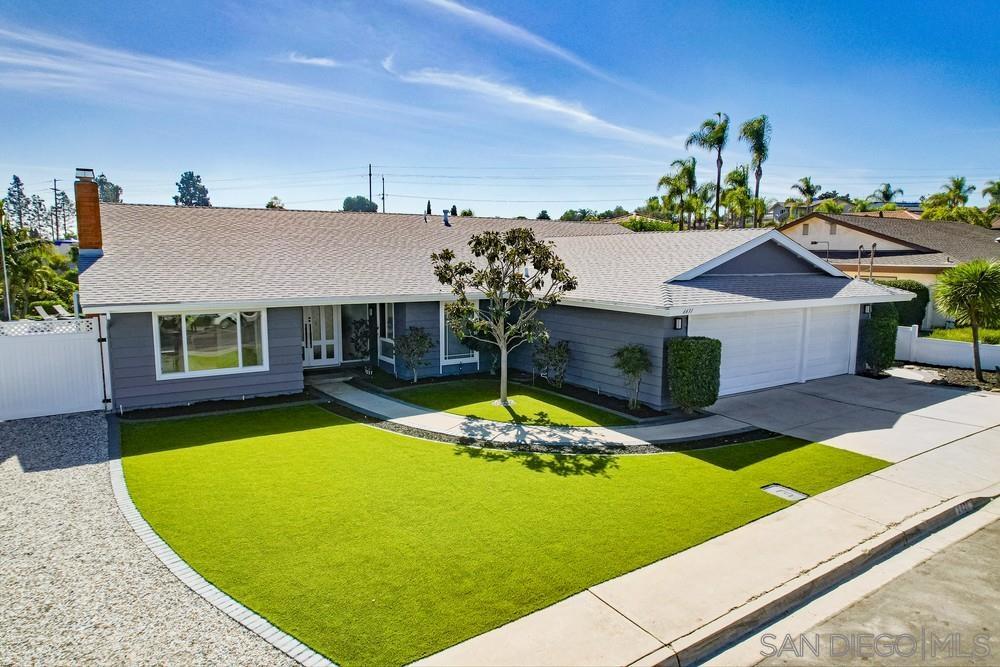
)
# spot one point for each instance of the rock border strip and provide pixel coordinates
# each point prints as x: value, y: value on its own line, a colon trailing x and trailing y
x: 249, y: 619
x: 716, y: 635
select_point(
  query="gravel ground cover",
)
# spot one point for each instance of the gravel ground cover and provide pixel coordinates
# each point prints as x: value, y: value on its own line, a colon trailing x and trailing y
x: 77, y: 586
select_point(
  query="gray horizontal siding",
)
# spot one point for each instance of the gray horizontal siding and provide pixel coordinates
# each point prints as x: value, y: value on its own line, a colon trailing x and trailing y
x: 133, y: 366
x: 594, y: 336
x: 768, y: 257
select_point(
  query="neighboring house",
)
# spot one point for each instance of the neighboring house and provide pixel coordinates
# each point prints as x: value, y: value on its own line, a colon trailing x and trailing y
x: 904, y: 248
x: 899, y: 213
x: 777, y: 213
x: 224, y: 303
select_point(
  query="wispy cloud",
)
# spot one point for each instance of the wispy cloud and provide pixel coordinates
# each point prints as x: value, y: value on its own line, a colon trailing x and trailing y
x: 572, y: 114
x: 43, y: 62
x: 513, y: 33
x: 315, y: 61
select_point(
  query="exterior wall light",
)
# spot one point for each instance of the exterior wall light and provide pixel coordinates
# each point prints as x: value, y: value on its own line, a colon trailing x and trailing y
x: 867, y: 309
x: 678, y: 323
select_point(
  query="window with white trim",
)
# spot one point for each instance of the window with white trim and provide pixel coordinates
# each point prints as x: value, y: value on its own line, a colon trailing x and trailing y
x: 386, y: 332
x: 453, y: 351
x: 833, y: 229
x: 196, y: 344
x: 805, y: 229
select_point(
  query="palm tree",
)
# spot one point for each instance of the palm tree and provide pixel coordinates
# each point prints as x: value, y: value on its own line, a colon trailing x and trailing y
x: 704, y: 194
x: 681, y: 185
x: 737, y: 193
x: 807, y: 189
x: 957, y: 191
x: 992, y: 191
x: 756, y: 132
x: 861, y: 205
x: 970, y: 293
x: 885, y: 194
x: 712, y: 136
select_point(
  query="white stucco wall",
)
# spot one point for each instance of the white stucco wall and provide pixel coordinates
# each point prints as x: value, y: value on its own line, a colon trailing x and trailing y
x: 840, y: 238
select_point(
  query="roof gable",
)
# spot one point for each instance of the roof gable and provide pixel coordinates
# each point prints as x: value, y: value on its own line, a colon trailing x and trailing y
x: 769, y: 236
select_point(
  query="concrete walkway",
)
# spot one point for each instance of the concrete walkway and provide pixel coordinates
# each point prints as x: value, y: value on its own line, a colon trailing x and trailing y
x: 651, y: 615
x: 445, y: 423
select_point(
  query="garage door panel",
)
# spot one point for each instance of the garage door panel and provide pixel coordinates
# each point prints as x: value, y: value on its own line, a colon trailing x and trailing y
x: 759, y: 349
x: 767, y: 348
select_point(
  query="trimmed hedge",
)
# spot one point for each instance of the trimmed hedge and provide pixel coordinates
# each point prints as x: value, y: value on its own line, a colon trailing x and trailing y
x: 910, y: 312
x: 693, y: 367
x: 878, y: 338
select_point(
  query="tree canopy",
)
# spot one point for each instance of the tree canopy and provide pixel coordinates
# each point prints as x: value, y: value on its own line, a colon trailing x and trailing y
x: 191, y: 191
x: 108, y: 192
x: 359, y: 203
x: 517, y: 275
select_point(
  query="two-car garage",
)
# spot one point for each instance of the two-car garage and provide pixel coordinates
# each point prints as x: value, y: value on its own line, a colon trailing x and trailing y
x: 766, y: 348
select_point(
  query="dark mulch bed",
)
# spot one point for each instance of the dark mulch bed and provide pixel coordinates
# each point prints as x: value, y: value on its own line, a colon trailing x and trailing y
x: 380, y: 380
x: 965, y: 377
x: 211, y: 407
x: 961, y: 377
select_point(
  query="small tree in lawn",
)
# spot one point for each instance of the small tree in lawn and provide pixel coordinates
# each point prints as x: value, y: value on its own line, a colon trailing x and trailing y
x: 517, y: 275
x: 970, y: 293
x: 412, y: 348
x: 632, y: 361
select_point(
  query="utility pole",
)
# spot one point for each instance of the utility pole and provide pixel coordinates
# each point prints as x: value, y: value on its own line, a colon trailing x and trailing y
x: 383, y: 194
x: 369, y: 181
x: 55, y: 210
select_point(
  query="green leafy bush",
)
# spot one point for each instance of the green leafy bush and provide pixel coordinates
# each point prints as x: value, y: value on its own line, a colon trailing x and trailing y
x: 964, y: 335
x: 632, y: 361
x: 550, y: 361
x: 878, y: 338
x: 693, y: 368
x: 910, y: 312
x: 412, y: 348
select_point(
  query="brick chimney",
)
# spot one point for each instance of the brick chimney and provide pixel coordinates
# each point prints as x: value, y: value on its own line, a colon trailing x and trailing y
x: 88, y: 219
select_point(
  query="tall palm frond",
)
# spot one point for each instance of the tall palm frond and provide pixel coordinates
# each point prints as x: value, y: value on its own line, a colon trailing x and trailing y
x: 712, y: 135
x: 885, y: 193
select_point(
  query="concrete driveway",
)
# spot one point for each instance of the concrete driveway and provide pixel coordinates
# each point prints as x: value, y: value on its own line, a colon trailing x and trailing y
x: 891, y: 419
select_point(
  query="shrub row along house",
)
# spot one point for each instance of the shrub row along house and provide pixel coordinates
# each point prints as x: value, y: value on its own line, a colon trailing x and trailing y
x: 904, y: 248
x: 219, y: 303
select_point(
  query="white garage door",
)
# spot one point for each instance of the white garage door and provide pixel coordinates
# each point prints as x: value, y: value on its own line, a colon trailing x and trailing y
x: 773, y: 347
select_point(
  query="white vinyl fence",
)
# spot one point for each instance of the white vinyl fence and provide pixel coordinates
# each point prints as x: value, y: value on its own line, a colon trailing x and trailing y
x: 51, y: 367
x: 911, y: 347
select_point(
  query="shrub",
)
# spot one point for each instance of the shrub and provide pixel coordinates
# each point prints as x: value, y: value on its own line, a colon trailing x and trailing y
x: 550, y: 361
x: 632, y: 361
x: 878, y: 338
x: 910, y: 312
x: 693, y: 369
x: 412, y: 346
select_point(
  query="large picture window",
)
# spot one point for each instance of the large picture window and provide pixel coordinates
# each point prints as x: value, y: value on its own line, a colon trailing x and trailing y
x: 193, y: 344
x: 453, y: 351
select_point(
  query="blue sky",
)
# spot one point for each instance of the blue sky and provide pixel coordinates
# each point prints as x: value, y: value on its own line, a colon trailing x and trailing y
x: 502, y: 107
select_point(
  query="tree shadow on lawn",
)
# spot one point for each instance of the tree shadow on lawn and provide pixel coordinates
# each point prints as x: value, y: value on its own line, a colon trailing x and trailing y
x: 540, y: 418
x: 564, y: 465
x: 739, y: 456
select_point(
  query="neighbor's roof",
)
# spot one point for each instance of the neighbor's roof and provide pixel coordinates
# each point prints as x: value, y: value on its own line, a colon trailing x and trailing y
x: 158, y: 255
x: 934, y: 243
x: 898, y: 213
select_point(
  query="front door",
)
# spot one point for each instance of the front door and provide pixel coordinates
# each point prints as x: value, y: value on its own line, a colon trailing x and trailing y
x: 321, y: 336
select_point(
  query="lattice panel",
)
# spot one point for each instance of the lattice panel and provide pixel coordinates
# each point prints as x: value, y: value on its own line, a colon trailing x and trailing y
x: 46, y: 327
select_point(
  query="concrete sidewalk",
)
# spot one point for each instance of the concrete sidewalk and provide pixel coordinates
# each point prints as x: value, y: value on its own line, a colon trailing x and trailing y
x: 647, y: 616
x: 445, y: 423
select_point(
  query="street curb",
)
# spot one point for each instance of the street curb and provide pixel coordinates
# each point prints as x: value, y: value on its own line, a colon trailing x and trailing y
x: 249, y: 619
x: 709, y: 639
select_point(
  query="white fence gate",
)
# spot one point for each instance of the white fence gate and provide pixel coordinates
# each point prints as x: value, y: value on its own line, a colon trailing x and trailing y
x: 938, y: 352
x: 51, y: 367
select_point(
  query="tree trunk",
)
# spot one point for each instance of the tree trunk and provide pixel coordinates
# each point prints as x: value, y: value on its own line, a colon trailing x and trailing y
x: 758, y: 172
x: 503, y: 376
x: 718, y: 185
x: 976, y: 364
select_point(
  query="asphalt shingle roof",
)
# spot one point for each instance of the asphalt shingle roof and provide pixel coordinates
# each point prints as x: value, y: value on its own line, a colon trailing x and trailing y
x: 166, y: 254
x: 940, y: 243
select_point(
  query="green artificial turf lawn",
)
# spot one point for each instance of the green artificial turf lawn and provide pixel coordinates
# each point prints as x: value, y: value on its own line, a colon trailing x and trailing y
x: 474, y: 398
x: 375, y: 548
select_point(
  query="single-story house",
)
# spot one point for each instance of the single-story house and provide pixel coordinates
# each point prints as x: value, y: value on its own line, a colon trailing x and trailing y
x: 904, y: 248
x: 224, y: 303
